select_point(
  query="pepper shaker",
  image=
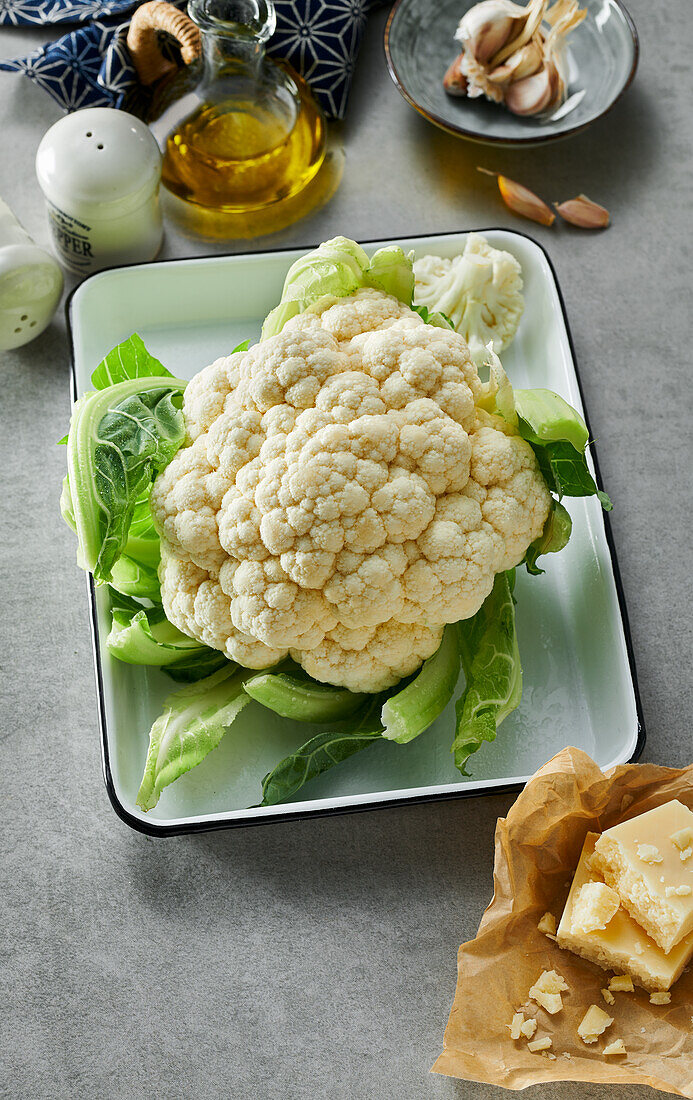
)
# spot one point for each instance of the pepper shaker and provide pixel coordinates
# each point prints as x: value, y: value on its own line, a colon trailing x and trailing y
x: 99, y: 170
x: 30, y: 284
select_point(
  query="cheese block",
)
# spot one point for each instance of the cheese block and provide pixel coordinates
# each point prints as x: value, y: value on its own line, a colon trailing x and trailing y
x: 649, y: 862
x: 621, y: 944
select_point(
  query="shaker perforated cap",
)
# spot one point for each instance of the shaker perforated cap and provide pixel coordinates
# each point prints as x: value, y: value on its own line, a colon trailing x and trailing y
x: 100, y: 159
x: 30, y: 284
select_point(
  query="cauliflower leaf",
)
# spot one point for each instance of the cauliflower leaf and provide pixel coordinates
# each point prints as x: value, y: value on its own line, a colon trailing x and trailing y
x: 193, y: 723
x: 135, y: 578
x: 438, y: 320
x: 322, y: 752
x: 409, y: 712
x: 566, y: 474
x: 295, y: 695
x: 546, y: 418
x: 391, y: 271
x: 559, y: 437
x: 553, y: 538
x: 491, y: 662
x: 144, y: 636
x: 336, y: 269
x: 120, y: 439
x: 129, y: 359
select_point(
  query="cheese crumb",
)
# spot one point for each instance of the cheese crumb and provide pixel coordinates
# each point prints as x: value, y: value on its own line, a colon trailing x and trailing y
x: 548, y: 1054
x: 621, y: 983
x: 547, y: 924
x: 661, y: 998
x: 566, y: 1054
x: 683, y: 839
x: 595, y: 905
x: 608, y: 997
x: 677, y: 891
x: 515, y: 1025
x: 649, y: 853
x: 686, y: 853
x: 546, y: 991
x: 539, y: 1044
x: 593, y: 1024
x: 617, y: 1047
x: 528, y: 1028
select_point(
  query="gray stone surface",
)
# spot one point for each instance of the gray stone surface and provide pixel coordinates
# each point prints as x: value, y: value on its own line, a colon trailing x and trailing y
x: 318, y: 958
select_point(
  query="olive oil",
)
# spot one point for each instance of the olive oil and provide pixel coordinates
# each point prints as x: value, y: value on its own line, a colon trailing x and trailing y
x: 240, y: 155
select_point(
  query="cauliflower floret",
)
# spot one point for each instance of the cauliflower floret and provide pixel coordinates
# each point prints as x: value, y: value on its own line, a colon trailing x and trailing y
x: 378, y: 656
x: 480, y: 291
x: 341, y: 499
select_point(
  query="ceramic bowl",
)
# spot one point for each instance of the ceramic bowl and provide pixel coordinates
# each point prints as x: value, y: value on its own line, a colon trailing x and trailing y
x: 602, y: 55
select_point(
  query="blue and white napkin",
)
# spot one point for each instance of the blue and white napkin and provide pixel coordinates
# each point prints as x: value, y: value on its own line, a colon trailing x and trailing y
x: 90, y: 66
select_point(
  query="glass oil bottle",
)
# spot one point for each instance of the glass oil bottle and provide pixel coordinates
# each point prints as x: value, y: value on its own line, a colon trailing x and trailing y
x: 243, y: 132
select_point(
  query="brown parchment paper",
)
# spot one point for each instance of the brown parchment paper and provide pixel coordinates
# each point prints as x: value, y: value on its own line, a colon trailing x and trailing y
x: 537, y: 847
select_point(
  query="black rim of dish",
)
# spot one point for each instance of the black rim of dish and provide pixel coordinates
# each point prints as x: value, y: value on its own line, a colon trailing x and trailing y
x: 489, y: 139
x: 212, y: 824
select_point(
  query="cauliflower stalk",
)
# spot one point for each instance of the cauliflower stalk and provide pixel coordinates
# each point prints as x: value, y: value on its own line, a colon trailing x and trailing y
x: 337, y: 509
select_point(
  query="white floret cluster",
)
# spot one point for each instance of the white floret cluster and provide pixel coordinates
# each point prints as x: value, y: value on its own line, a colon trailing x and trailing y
x: 341, y: 497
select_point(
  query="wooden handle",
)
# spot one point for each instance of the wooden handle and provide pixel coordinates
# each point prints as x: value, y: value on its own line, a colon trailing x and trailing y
x: 149, y: 22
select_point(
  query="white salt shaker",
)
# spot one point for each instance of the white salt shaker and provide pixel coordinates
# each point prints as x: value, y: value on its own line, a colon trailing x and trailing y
x: 30, y: 284
x: 99, y: 170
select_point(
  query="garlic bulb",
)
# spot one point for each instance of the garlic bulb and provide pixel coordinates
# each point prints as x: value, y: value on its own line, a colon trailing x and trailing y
x: 510, y: 58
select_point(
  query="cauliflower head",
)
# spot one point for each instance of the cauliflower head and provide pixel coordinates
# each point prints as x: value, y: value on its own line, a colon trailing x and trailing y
x: 341, y: 496
x: 480, y: 291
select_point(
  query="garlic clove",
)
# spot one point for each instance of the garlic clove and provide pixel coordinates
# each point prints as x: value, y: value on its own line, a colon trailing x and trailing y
x: 524, y: 202
x: 525, y: 31
x: 487, y: 26
x: 521, y: 200
x: 524, y: 62
x: 454, y: 81
x: 535, y: 93
x: 583, y: 213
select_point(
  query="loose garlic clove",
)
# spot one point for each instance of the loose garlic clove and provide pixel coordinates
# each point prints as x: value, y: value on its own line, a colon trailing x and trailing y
x: 454, y: 81
x: 521, y: 200
x: 487, y: 26
x: 583, y: 213
x: 524, y: 202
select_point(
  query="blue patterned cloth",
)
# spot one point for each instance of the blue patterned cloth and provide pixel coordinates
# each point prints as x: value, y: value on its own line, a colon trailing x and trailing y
x: 91, y: 67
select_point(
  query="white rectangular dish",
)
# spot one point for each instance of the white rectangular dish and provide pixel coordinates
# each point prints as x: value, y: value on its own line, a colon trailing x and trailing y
x: 579, y: 677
